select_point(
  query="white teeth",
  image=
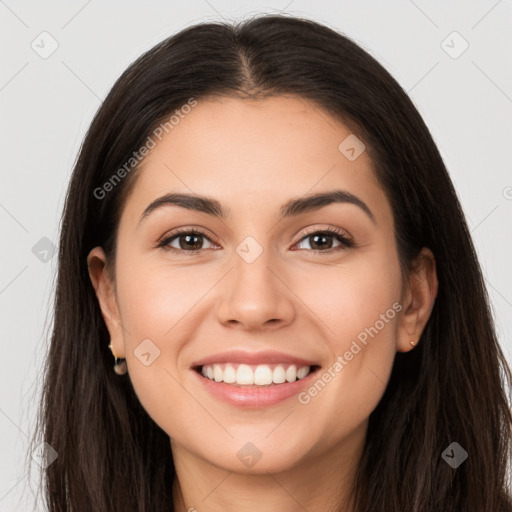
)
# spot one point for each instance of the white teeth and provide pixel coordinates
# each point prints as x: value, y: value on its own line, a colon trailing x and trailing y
x: 279, y: 375
x: 302, y: 372
x: 291, y: 373
x: 263, y: 376
x: 229, y: 374
x: 244, y: 375
x: 260, y: 375
x: 217, y: 373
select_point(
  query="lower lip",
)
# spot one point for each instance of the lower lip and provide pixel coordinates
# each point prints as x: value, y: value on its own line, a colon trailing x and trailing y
x: 254, y: 397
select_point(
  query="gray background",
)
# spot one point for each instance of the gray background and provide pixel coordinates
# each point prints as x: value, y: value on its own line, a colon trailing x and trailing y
x: 46, y: 104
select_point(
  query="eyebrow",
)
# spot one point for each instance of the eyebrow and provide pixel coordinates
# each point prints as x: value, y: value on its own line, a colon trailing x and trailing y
x: 291, y: 208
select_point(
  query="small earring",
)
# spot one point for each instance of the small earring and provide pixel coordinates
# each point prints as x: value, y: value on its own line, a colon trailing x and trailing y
x: 413, y: 343
x: 119, y: 363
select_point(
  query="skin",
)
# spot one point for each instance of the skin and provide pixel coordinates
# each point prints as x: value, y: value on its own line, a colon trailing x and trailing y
x: 254, y: 156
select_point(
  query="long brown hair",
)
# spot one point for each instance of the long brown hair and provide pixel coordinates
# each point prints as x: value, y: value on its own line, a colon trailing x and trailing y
x: 454, y: 387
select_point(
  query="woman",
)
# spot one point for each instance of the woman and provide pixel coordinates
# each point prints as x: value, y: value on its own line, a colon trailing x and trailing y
x: 255, y: 368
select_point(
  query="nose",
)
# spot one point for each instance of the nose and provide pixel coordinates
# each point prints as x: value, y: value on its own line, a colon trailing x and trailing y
x: 256, y: 295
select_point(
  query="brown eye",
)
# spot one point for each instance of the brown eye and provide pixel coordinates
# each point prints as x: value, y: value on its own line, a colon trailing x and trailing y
x: 320, y: 241
x: 323, y: 240
x: 187, y: 241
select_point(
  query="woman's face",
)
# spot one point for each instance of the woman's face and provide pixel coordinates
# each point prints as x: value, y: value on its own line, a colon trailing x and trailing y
x: 259, y: 283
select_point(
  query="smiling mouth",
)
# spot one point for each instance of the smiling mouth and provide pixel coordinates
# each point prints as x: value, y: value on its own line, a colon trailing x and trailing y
x: 255, y: 376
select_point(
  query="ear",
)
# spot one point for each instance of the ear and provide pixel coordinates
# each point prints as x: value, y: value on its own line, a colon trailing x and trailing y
x: 418, y: 301
x: 105, y: 292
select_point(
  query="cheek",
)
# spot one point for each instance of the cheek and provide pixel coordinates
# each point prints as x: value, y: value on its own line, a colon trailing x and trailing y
x: 154, y: 298
x: 154, y: 303
x: 345, y: 299
x: 359, y: 306
x: 351, y: 384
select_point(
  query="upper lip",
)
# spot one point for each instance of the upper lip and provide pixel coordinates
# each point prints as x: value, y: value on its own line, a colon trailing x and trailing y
x: 244, y: 357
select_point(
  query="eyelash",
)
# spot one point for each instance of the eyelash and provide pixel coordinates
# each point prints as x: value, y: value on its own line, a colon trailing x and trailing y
x: 338, y: 234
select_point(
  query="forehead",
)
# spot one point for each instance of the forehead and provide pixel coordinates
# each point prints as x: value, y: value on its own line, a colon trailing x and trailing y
x: 254, y: 153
